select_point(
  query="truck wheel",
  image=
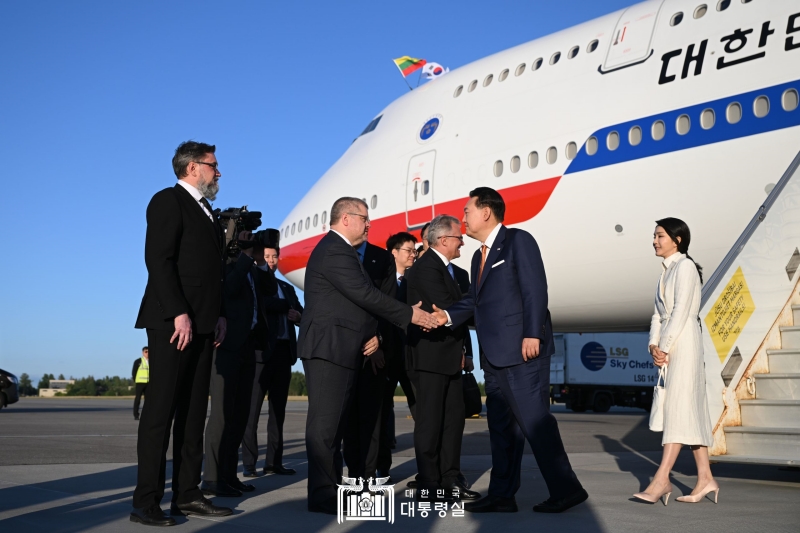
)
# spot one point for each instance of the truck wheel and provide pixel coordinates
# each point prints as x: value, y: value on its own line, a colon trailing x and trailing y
x: 602, y: 403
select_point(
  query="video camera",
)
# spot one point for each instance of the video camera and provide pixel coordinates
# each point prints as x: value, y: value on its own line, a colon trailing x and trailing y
x: 236, y: 220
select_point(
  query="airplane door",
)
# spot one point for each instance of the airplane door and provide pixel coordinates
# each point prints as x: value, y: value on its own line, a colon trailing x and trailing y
x: 632, y: 38
x: 419, y: 189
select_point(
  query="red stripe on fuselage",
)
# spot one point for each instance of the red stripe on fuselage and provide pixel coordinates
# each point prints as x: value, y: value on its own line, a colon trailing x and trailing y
x: 523, y: 202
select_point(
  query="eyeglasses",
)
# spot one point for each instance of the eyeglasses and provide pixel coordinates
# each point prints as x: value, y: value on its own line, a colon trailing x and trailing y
x: 459, y: 237
x: 215, y: 166
x: 408, y: 250
x: 366, y: 218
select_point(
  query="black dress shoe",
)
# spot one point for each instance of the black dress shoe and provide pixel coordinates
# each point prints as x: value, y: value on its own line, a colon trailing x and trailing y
x: 492, y: 504
x: 201, y: 507
x: 219, y: 488
x: 152, y: 516
x: 250, y: 472
x: 242, y: 487
x: 280, y: 470
x: 463, y: 492
x: 559, y: 506
x: 463, y: 480
x: 326, y: 507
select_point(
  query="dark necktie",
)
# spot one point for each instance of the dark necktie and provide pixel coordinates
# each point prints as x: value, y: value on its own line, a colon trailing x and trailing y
x: 207, y: 205
x: 399, y: 280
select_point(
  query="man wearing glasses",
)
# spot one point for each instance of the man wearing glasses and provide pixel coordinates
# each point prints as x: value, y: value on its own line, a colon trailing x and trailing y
x: 337, y: 333
x: 182, y: 313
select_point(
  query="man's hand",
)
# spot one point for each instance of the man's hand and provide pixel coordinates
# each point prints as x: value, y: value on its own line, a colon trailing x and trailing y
x: 530, y: 348
x: 370, y: 346
x: 377, y: 361
x: 294, y: 316
x: 183, y: 331
x: 468, y: 365
x: 441, y: 316
x: 220, y: 331
x: 422, y: 318
x: 659, y: 358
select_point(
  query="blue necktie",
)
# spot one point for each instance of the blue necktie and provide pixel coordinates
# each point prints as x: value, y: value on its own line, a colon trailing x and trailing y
x: 450, y: 269
x: 360, y: 256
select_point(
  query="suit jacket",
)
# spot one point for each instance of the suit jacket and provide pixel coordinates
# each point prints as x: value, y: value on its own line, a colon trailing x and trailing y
x: 340, y: 303
x: 381, y: 269
x: 511, y: 301
x: 240, y: 303
x: 276, y: 309
x: 438, y: 350
x: 183, y: 252
x: 462, y: 278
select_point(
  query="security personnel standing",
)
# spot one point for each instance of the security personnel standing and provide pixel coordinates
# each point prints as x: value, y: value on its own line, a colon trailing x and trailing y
x: 141, y: 376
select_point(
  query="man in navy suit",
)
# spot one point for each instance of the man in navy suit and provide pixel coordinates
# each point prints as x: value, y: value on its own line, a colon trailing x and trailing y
x: 508, y: 300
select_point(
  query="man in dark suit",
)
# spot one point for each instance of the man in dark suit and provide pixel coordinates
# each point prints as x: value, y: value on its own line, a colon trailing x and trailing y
x: 232, y: 375
x: 335, y: 333
x: 508, y: 300
x: 273, y: 372
x: 435, y: 363
x: 182, y: 313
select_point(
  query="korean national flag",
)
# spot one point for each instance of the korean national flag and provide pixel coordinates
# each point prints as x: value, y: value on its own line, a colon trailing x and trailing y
x: 434, y: 70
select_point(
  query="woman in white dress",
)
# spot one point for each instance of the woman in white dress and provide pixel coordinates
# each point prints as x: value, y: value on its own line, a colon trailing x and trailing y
x: 676, y: 341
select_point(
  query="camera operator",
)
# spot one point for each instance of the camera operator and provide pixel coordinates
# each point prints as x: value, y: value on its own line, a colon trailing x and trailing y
x: 232, y: 374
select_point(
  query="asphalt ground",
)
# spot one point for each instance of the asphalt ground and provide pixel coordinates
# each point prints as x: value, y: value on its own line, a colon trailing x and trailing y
x: 70, y: 465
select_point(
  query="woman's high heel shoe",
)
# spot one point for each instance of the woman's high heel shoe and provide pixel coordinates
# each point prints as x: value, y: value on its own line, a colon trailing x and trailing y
x: 649, y: 498
x: 711, y: 487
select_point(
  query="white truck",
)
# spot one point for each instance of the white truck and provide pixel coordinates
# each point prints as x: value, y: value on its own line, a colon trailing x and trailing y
x: 597, y: 370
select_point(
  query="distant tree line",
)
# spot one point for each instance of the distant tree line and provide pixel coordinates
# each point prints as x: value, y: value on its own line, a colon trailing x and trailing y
x: 88, y: 386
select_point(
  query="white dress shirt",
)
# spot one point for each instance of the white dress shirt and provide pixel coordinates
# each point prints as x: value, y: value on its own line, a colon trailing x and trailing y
x: 197, y: 196
x: 343, y: 237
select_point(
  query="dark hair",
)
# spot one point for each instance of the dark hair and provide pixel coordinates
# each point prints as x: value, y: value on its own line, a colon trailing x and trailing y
x: 145, y: 348
x: 396, y: 241
x: 344, y: 205
x: 419, y: 248
x: 488, y: 197
x: 276, y: 248
x: 187, y: 152
x: 675, y: 228
x: 422, y: 231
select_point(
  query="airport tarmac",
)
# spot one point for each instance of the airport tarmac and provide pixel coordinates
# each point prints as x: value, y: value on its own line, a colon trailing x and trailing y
x: 69, y: 465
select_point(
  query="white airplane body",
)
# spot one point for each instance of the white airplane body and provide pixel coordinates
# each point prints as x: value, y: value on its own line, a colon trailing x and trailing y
x: 591, y: 208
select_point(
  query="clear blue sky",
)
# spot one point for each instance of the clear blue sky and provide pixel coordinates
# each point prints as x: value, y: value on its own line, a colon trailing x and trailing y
x: 96, y: 95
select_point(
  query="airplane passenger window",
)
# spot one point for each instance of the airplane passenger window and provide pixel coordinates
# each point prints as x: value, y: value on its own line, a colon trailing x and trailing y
x: 316, y: 220
x: 707, y: 119
x: 591, y: 145
x: 300, y: 226
x: 536, y: 64
x: 635, y: 135
x: 515, y: 164
x: 734, y: 113
x: 308, y: 222
x: 761, y: 106
x: 373, y: 202
x: 498, y: 168
x: 592, y: 46
x: 426, y: 187
x: 472, y: 85
x: 533, y: 159
x: 324, y: 217
x: 503, y: 75
x: 554, y: 58
x: 746, y: 1
x: 723, y: 5
x: 458, y: 91
x: 676, y: 19
x: 573, y: 52
x: 488, y: 80
x: 571, y: 150
x: 658, y: 130
x: 520, y: 69
x: 552, y: 155
x: 789, y: 100
x: 700, y: 11
x: 293, y: 226
x: 612, y: 141
x: 683, y: 124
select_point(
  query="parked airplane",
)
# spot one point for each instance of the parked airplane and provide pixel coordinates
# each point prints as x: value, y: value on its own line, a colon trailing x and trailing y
x: 684, y: 108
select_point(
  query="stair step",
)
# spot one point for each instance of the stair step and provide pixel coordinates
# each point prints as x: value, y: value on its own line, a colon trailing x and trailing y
x: 755, y: 459
x: 784, y: 361
x: 774, y: 386
x: 790, y: 337
x: 770, y: 413
x: 796, y: 314
x: 781, y: 443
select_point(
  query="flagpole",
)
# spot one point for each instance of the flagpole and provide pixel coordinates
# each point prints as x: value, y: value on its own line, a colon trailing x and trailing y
x: 410, y: 88
x: 419, y: 78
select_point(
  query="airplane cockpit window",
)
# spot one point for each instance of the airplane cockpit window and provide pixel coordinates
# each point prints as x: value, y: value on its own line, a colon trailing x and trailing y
x: 372, y: 125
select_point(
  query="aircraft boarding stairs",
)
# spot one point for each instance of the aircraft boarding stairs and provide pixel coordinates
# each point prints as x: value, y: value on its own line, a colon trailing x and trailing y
x: 750, y: 313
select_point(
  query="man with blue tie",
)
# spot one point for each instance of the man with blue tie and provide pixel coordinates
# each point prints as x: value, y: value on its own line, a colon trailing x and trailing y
x: 508, y: 300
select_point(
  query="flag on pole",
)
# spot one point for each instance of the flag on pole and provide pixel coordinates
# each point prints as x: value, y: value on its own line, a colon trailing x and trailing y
x: 434, y: 70
x: 407, y: 64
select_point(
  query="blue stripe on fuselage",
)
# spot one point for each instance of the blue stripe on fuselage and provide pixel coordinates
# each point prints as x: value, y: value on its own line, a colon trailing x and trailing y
x: 697, y: 136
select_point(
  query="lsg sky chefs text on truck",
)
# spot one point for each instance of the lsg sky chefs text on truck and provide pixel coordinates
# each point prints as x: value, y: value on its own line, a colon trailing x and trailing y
x: 597, y: 370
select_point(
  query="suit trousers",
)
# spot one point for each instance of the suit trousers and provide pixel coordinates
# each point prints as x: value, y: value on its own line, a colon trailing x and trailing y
x: 274, y: 377
x: 231, y: 388
x: 178, y: 390
x: 330, y: 392
x: 362, y: 436
x: 140, y: 389
x: 438, y: 428
x: 518, y: 408
x: 396, y: 373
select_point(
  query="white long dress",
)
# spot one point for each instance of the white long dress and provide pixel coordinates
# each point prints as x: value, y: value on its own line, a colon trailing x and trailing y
x: 675, y: 329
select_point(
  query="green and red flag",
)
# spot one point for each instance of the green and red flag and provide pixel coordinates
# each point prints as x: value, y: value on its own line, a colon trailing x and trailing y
x: 407, y: 64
